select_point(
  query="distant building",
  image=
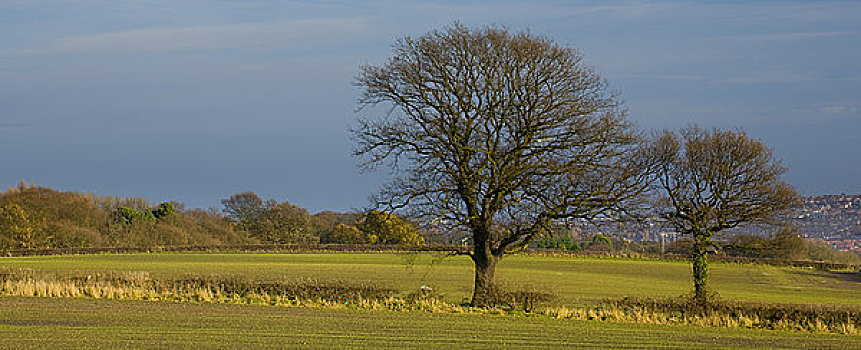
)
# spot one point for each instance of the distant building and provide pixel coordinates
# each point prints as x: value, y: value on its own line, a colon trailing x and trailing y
x: 835, y: 219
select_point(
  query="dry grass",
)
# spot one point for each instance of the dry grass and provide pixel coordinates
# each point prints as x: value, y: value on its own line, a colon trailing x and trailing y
x: 211, y: 288
x: 229, y: 289
x: 335, y: 294
x: 681, y: 311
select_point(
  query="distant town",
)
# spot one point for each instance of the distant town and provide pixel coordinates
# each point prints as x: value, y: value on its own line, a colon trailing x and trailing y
x: 836, y: 219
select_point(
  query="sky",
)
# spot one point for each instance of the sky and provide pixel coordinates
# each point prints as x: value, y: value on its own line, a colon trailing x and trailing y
x: 194, y: 100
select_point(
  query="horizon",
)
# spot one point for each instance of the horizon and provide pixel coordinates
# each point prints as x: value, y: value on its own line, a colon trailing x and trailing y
x: 219, y: 206
x: 195, y: 101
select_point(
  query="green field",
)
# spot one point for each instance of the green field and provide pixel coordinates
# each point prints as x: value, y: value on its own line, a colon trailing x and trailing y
x: 43, y: 322
x: 576, y: 281
x: 82, y: 323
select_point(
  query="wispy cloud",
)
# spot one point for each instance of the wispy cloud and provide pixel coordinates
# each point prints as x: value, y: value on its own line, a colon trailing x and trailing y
x: 274, y: 35
x: 790, y: 36
x: 840, y: 109
x: 769, y: 77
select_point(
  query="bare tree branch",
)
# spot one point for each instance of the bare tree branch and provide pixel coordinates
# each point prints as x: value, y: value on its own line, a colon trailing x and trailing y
x: 713, y: 180
x: 501, y: 133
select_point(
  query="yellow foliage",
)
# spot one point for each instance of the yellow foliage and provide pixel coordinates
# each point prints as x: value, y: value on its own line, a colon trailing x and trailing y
x: 18, y: 227
x: 388, y: 228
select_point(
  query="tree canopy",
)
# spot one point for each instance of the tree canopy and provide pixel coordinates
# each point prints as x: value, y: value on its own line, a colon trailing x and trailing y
x: 387, y: 228
x: 712, y: 180
x: 242, y: 206
x: 500, y: 133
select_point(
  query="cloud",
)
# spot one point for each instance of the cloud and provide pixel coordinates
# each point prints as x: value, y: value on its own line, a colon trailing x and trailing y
x: 789, y: 36
x: 272, y: 35
x: 769, y: 77
x: 840, y: 109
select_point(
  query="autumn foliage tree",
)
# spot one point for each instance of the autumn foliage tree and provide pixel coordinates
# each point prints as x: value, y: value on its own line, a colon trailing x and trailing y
x: 344, y: 234
x: 497, y: 132
x: 20, y: 229
x: 387, y: 228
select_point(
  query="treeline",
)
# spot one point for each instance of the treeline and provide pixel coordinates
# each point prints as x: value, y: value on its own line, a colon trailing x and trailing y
x: 284, y: 223
x: 34, y: 217
x: 785, y: 243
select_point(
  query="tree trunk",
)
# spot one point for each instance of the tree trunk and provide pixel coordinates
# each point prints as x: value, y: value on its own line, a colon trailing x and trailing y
x: 700, y: 262
x: 485, y: 267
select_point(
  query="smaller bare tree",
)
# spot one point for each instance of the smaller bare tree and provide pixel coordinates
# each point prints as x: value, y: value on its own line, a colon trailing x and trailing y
x: 712, y: 180
x: 243, y: 206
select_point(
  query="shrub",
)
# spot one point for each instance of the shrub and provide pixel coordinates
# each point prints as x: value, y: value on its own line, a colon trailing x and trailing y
x: 812, y: 318
x: 344, y: 234
x: 163, y: 210
x: 601, y: 242
x: 517, y: 298
x: 559, y: 242
x: 125, y: 216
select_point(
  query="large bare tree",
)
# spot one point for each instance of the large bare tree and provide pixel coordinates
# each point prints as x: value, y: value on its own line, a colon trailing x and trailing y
x: 713, y: 180
x: 500, y: 133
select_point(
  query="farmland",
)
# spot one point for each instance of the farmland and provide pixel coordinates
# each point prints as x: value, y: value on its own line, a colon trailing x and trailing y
x: 575, y: 281
x: 74, y: 322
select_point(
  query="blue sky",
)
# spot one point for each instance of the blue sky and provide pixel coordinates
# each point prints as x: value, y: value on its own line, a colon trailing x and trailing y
x: 195, y: 100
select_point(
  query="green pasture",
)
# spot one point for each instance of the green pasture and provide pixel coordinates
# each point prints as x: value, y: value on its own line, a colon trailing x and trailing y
x: 575, y: 281
x: 87, y: 323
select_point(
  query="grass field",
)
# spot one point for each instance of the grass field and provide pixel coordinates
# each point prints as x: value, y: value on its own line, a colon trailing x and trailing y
x: 87, y: 323
x: 51, y: 323
x: 576, y: 281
